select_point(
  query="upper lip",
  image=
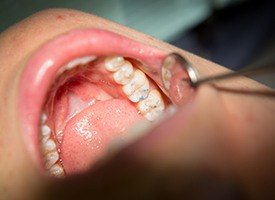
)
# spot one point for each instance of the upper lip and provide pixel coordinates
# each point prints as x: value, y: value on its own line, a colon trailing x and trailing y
x: 41, y: 69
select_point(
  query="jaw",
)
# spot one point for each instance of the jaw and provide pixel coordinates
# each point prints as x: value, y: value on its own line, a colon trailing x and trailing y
x: 45, y: 22
x: 46, y: 64
x: 27, y: 34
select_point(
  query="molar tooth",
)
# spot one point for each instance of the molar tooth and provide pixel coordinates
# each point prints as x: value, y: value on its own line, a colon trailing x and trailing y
x: 153, y: 100
x: 141, y: 93
x: 124, y: 74
x: 45, y: 130
x: 56, y: 170
x: 51, y: 158
x: 48, y: 146
x: 44, y: 138
x: 137, y: 81
x: 154, y: 113
x: 113, y: 63
x: 152, y: 106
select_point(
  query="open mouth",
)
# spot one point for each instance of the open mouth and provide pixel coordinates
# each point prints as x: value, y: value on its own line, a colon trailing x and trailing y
x: 83, y: 90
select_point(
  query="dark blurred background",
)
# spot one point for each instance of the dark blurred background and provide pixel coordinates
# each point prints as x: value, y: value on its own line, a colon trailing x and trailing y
x: 233, y: 33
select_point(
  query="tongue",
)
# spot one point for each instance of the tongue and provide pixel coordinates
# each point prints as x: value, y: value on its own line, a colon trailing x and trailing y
x: 88, y: 134
x: 88, y: 111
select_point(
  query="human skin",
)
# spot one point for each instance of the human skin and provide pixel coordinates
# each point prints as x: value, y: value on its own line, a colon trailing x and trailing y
x: 227, y: 137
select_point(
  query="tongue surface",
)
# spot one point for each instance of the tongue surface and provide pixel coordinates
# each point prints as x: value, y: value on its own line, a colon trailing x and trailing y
x: 88, y: 134
x: 87, y: 111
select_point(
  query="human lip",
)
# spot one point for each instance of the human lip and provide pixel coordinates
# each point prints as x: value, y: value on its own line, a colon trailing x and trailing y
x: 41, y: 69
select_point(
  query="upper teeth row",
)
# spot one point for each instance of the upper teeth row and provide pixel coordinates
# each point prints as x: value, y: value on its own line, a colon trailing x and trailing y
x: 151, y: 107
x: 136, y: 86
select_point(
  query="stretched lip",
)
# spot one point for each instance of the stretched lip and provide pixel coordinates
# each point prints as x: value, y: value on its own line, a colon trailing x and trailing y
x: 41, y: 69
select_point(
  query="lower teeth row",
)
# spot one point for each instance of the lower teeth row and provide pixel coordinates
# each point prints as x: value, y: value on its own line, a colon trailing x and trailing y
x: 49, y: 150
x: 134, y: 84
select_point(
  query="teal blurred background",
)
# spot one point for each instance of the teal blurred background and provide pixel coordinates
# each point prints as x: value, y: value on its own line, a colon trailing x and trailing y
x: 233, y: 33
x: 163, y: 19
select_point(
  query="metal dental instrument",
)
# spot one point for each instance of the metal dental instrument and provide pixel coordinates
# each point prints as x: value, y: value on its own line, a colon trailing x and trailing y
x: 195, y: 81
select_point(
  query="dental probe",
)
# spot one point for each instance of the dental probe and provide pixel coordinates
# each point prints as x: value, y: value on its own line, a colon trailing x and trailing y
x: 195, y: 81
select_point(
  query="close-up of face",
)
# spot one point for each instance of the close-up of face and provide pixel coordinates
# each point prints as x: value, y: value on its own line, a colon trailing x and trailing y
x: 88, y: 110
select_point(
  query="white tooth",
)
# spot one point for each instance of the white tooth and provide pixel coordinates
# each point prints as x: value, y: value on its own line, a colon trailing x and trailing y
x: 153, y: 100
x: 154, y: 113
x: 124, y: 74
x: 152, y: 106
x: 114, y: 63
x: 44, y: 138
x: 141, y: 93
x: 166, y: 73
x: 167, y: 113
x: 45, y: 130
x: 43, y: 118
x: 79, y: 61
x: 51, y: 158
x: 166, y: 77
x: 48, y: 146
x: 56, y: 170
x: 137, y: 81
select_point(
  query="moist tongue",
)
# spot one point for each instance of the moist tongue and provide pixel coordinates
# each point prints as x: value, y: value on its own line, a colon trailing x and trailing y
x: 88, y: 134
x: 89, y: 111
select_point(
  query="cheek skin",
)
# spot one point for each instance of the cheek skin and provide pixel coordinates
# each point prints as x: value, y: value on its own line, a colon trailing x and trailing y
x: 13, y: 157
x: 16, y: 168
x: 19, y: 177
x: 252, y: 119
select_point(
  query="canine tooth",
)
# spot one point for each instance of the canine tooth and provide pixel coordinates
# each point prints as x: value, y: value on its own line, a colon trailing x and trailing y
x: 137, y: 81
x: 152, y: 106
x: 113, y: 63
x: 51, y: 158
x: 48, y: 146
x: 45, y: 130
x: 124, y: 74
x: 141, y: 93
x: 56, y: 170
